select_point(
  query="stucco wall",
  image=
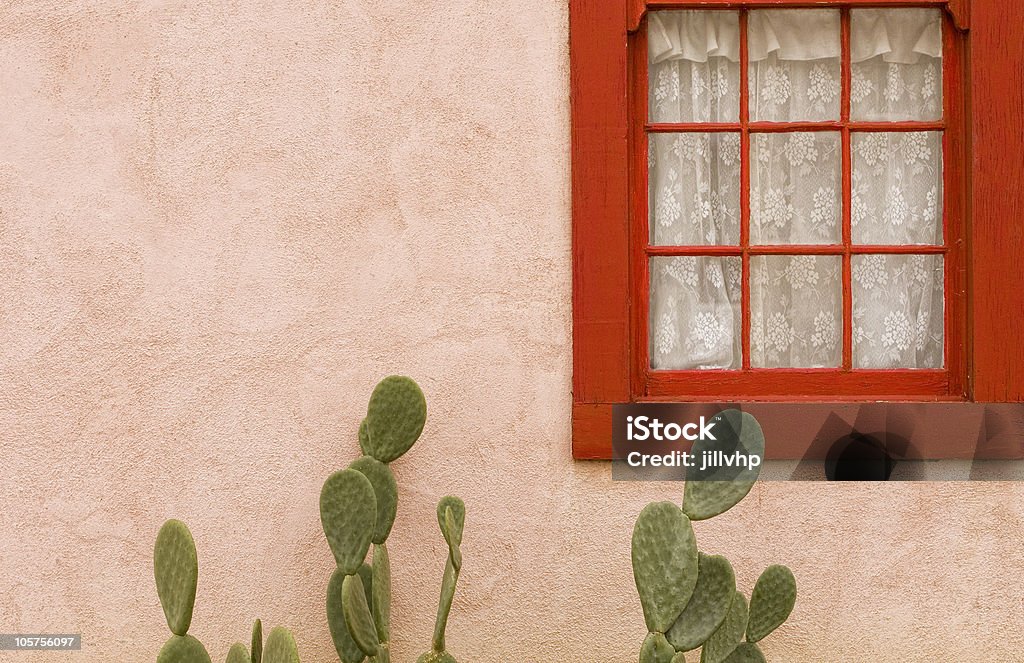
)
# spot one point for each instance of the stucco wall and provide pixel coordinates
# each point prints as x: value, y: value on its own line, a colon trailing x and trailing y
x: 221, y: 222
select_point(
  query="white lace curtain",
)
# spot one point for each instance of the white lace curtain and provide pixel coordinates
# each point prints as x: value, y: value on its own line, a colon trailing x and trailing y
x: 795, y: 188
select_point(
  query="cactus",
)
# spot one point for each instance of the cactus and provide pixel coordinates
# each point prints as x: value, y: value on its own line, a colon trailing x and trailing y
x: 689, y: 599
x: 358, y: 506
x: 176, y: 570
x: 771, y: 603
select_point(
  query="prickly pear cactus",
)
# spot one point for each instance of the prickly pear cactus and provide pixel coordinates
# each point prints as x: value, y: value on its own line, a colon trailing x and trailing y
x: 280, y: 647
x: 747, y: 652
x: 356, y: 513
x: 394, y: 418
x: 257, y: 642
x: 183, y: 649
x: 238, y: 654
x: 715, y: 490
x: 656, y: 649
x: 348, y: 513
x: 716, y: 587
x: 728, y: 636
x: 772, y: 602
x: 176, y: 568
x: 664, y: 555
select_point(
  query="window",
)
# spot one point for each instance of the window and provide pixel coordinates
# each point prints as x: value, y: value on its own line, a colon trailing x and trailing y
x: 797, y: 239
x: 887, y: 159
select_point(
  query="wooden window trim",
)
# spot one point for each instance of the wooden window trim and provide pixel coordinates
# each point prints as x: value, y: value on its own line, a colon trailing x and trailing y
x: 604, y: 342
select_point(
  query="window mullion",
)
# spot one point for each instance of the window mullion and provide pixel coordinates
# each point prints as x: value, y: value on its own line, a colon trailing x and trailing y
x: 844, y: 110
x: 745, y: 186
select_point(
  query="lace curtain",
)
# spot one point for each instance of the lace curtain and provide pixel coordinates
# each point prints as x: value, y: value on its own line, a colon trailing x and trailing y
x: 795, y: 188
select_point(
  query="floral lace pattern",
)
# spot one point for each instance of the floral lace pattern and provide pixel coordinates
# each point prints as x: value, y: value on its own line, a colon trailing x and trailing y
x: 897, y: 311
x: 796, y: 185
x: 695, y: 315
x: 694, y: 188
x: 896, y: 195
x: 795, y: 188
x: 796, y: 311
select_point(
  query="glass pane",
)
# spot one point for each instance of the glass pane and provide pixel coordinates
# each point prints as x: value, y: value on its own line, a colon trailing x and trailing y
x: 796, y: 311
x: 795, y: 188
x: 695, y: 314
x: 897, y: 188
x: 896, y: 64
x: 693, y: 66
x: 794, y: 68
x: 897, y: 311
x: 694, y: 188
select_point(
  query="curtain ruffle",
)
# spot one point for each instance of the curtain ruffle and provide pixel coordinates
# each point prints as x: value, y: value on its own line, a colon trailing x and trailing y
x: 898, y: 35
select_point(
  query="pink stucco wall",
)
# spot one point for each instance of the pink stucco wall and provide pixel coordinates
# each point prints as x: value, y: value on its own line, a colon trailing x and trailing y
x: 221, y: 222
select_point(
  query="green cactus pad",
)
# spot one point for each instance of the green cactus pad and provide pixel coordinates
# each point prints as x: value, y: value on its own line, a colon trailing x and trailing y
x: 257, y: 642
x: 238, y: 654
x: 664, y: 555
x: 394, y: 417
x: 717, y: 489
x: 348, y: 650
x: 729, y: 635
x: 364, y: 438
x: 380, y: 607
x: 680, y: 657
x: 656, y: 649
x: 772, y: 601
x: 357, y: 615
x: 348, y: 511
x: 436, y: 657
x: 747, y: 652
x: 280, y: 647
x: 176, y: 568
x: 183, y: 649
x: 385, y: 490
x: 716, y: 586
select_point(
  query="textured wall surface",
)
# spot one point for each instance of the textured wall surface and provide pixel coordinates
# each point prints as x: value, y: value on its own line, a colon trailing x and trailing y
x: 222, y: 222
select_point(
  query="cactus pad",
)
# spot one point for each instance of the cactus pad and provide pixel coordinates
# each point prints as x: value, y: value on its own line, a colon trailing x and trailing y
x: 238, y: 654
x: 717, y: 489
x: 256, y: 655
x: 772, y: 601
x: 680, y: 657
x: 357, y: 615
x: 385, y: 490
x: 176, y: 568
x: 348, y: 511
x: 664, y: 554
x: 183, y: 649
x: 656, y: 649
x: 394, y: 417
x: 728, y: 636
x: 380, y: 606
x: 746, y: 653
x: 348, y: 650
x: 436, y: 657
x: 716, y: 586
x: 280, y: 647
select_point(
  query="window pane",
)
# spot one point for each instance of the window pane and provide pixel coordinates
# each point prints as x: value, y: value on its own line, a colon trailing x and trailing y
x: 695, y: 313
x: 796, y: 311
x: 795, y: 188
x: 693, y: 66
x: 897, y: 188
x: 896, y: 64
x: 897, y: 311
x: 694, y: 188
x: 794, y: 68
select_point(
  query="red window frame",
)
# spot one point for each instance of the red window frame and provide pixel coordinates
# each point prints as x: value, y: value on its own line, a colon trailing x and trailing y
x: 985, y: 300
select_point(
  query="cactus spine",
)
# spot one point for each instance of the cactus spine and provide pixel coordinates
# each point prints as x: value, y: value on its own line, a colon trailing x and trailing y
x: 176, y: 570
x: 357, y: 510
x: 689, y: 599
